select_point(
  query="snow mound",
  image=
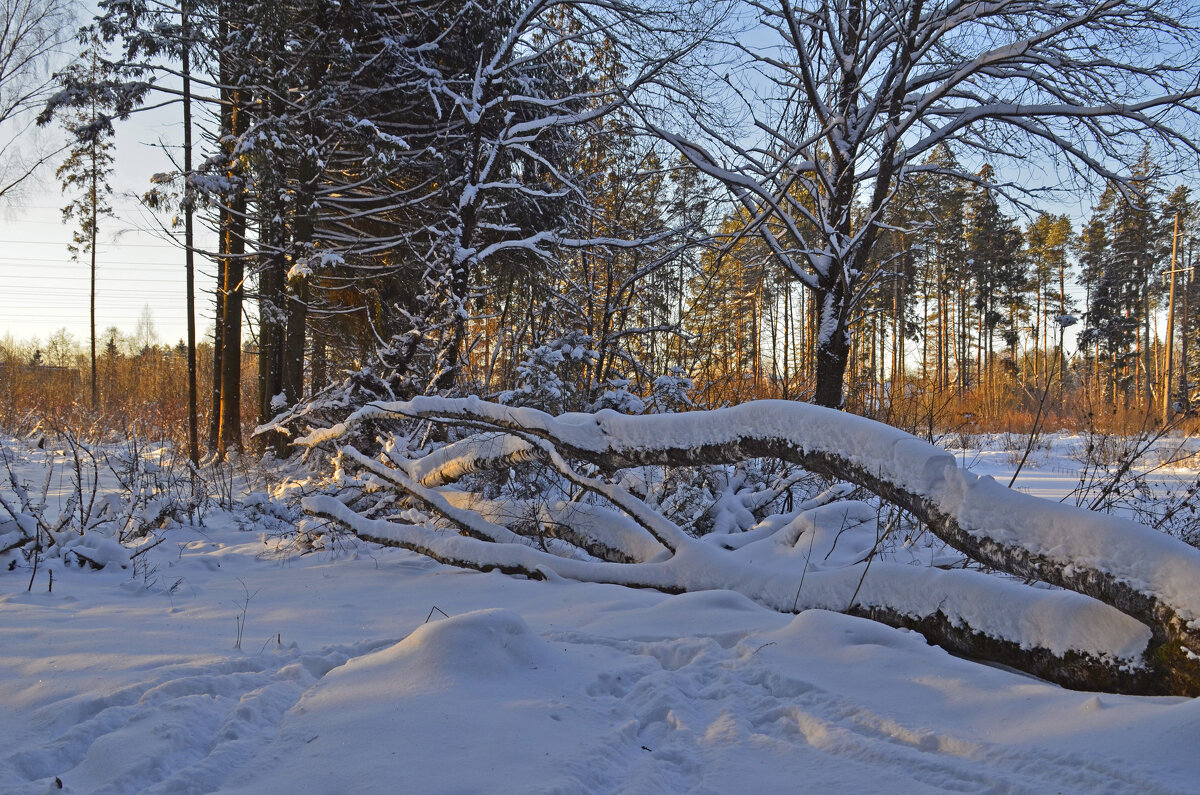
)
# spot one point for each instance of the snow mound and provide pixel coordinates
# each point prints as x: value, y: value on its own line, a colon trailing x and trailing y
x: 484, y: 645
x: 96, y: 549
x: 384, y: 716
x: 824, y: 538
x: 634, y: 690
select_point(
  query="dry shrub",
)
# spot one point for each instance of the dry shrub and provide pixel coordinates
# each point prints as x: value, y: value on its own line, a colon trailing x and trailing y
x: 143, y: 394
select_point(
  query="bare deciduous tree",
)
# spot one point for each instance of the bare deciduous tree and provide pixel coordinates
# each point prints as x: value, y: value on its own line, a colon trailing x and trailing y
x: 842, y: 100
x: 31, y: 33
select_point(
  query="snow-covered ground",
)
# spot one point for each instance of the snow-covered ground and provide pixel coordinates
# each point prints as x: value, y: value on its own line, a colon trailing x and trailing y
x: 1053, y: 467
x: 364, y: 669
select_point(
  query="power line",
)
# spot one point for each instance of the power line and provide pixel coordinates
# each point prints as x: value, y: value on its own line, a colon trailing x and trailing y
x: 82, y: 301
x: 60, y: 261
x: 171, y: 311
x: 30, y: 302
x: 165, y: 246
x: 105, y: 301
x: 100, y: 310
x: 53, y: 271
x: 117, y: 201
x: 109, y: 295
x: 82, y: 267
x: 102, y: 270
x: 75, y: 279
x: 19, y: 282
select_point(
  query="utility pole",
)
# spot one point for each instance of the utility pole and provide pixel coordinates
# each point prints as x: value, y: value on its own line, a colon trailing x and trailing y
x: 1166, y: 403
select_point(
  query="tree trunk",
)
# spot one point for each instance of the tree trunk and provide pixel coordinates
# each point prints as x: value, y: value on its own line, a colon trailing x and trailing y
x: 293, y: 353
x: 92, y: 301
x: 833, y: 347
x: 214, y: 413
x: 189, y: 249
x: 270, y: 333
x: 320, y: 361
x: 232, y: 292
x: 1031, y: 538
x: 233, y: 250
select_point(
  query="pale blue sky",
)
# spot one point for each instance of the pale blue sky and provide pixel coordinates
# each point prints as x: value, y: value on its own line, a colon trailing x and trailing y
x: 42, y: 289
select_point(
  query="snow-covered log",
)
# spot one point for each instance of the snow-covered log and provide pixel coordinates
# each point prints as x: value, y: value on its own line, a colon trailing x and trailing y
x: 1058, y: 635
x: 1144, y: 574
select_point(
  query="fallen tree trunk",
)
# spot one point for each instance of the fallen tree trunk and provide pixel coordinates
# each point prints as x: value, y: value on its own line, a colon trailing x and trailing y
x: 1051, y: 634
x: 1143, y: 574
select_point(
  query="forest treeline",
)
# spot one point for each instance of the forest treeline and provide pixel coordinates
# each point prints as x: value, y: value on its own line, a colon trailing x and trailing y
x: 495, y: 199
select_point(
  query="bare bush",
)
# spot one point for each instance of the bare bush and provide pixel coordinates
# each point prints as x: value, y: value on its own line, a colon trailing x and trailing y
x: 89, y: 504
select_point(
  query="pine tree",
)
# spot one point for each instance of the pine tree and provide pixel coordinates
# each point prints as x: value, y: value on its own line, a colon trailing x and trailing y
x: 1100, y: 315
x: 86, y: 172
x: 998, y: 275
x: 1134, y: 262
x: 1048, y: 240
x: 1181, y: 212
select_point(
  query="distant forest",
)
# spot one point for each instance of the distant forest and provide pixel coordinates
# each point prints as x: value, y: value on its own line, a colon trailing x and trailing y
x: 586, y: 205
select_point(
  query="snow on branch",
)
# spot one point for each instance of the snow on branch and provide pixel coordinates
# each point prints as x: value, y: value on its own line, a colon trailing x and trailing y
x: 1147, y: 576
x: 825, y: 108
x: 1059, y: 635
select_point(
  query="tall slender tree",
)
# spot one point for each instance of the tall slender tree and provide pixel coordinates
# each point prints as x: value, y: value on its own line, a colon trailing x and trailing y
x: 86, y: 172
x: 1048, y: 240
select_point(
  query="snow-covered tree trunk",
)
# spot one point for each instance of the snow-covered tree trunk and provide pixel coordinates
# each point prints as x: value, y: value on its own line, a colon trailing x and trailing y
x: 1142, y: 639
x: 833, y: 345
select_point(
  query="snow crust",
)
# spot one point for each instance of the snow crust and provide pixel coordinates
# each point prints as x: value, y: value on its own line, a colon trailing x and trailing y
x: 1150, y: 561
x: 349, y: 680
